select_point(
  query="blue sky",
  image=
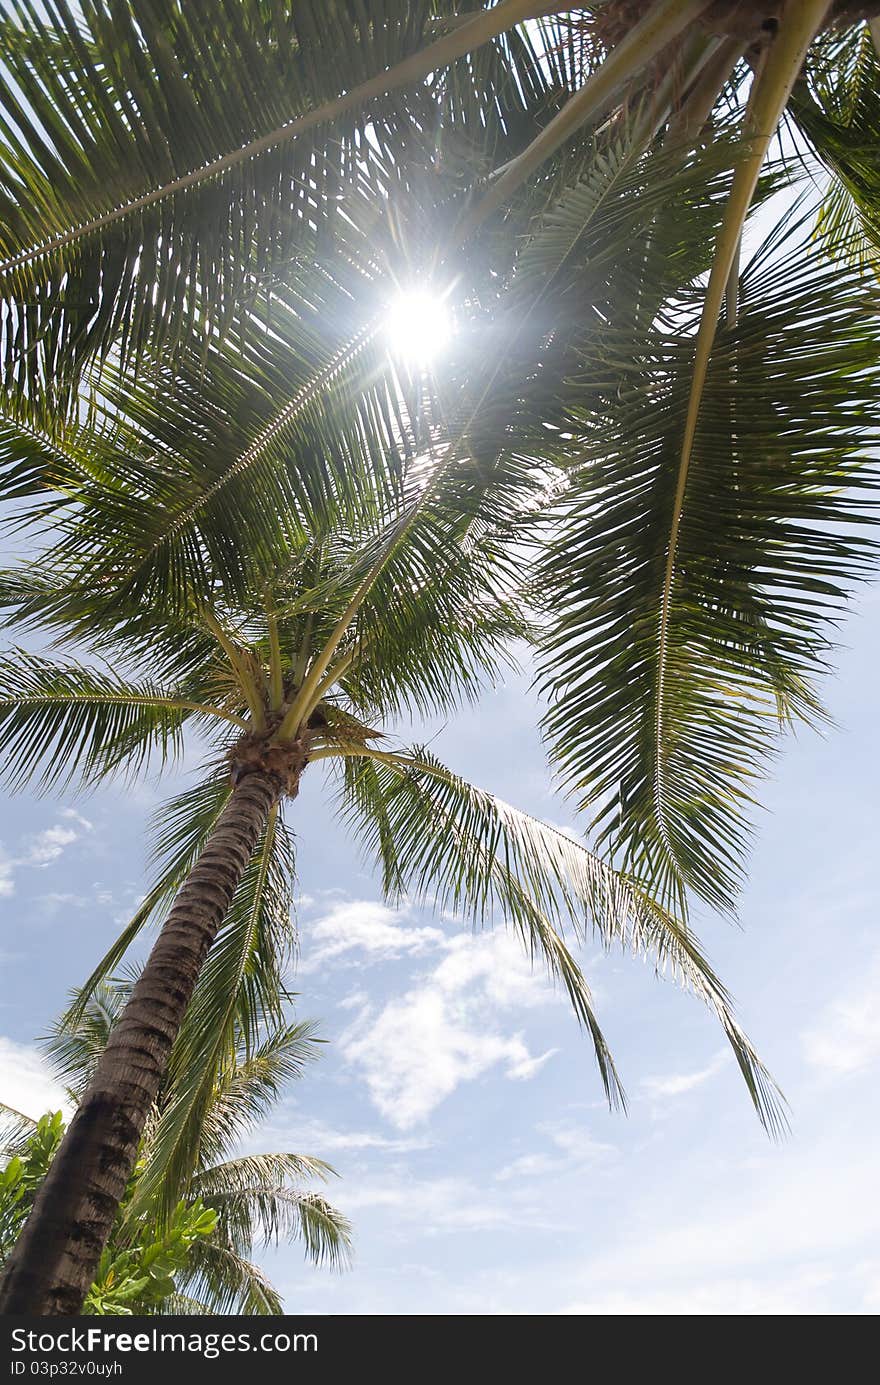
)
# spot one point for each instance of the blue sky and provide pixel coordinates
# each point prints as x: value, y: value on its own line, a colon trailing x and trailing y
x: 456, y: 1097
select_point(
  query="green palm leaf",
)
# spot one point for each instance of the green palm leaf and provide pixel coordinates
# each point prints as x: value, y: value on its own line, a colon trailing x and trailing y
x: 255, y: 1199
x: 67, y: 721
x: 155, y: 158
x: 663, y: 735
x: 440, y: 840
x: 229, y: 1282
x: 836, y: 106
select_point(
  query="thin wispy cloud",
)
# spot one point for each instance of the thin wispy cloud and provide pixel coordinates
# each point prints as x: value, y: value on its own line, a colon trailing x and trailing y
x: 42, y: 849
x: 317, y: 1137
x: 772, y: 1244
x: 568, y: 1148
x: 366, y: 928
x: 438, y: 1204
x: 674, y: 1084
x: 846, y: 1037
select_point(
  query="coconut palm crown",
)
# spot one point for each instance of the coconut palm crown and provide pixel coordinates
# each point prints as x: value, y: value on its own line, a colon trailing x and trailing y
x: 156, y: 156
x: 222, y: 581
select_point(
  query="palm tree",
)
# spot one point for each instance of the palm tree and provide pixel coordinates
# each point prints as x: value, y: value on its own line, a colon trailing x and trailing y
x: 631, y: 120
x: 247, y: 1197
x: 560, y: 118
x: 403, y: 598
x: 306, y: 539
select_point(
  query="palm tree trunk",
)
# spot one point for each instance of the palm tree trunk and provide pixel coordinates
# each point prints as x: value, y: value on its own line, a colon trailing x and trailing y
x: 56, y: 1257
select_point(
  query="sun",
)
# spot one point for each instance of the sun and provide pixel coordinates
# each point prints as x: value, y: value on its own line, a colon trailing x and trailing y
x: 418, y: 326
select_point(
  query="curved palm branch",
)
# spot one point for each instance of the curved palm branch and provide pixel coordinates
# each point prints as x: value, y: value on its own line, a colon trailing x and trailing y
x: 229, y: 1282
x: 441, y: 840
x: 65, y: 721
x: 255, y: 1200
x: 16, y: 1130
x: 668, y: 692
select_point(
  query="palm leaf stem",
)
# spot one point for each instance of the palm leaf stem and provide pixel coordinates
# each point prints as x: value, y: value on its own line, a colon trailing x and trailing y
x: 767, y: 100
x: 276, y: 669
x: 696, y: 107
x: 485, y: 25
x: 660, y: 26
x: 247, y: 682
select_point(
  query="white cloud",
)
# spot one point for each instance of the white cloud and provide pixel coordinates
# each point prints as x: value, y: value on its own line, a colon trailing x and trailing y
x: 416, y: 1049
x: 317, y: 1138
x: 572, y: 1147
x: 49, y: 845
x: 26, y: 1081
x: 355, y: 1000
x: 496, y: 965
x: 434, y: 1204
x: 725, y: 1297
x: 56, y: 900
x: 527, y: 1067
x: 529, y: 1166
x: 677, y: 1083
x: 846, y: 1038
x: 421, y: 1046
x: 43, y: 848
x: 782, y: 1237
x: 367, y: 927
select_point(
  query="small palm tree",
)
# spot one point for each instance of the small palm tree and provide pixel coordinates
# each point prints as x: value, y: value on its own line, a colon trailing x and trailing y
x: 248, y: 1198
x: 302, y: 620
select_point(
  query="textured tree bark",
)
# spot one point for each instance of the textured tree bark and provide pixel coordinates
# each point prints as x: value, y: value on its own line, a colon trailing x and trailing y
x: 57, y: 1254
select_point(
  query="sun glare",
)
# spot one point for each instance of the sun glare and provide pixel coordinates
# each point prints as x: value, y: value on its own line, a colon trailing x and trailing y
x: 418, y: 326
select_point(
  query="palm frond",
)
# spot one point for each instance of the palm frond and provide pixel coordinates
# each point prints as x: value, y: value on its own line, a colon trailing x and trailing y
x: 443, y: 841
x: 16, y: 1130
x: 76, y: 1041
x: 253, y: 1199
x: 183, y: 1305
x: 70, y: 721
x: 837, y: 107
x: 33, y: 462
x: 252, y: 1172
x: 239, y: 451
x: 212, y: 1101
x: 152, y: 159
x: 248, y: 1088
x: 229, y: 1282
x: 663, y: 741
